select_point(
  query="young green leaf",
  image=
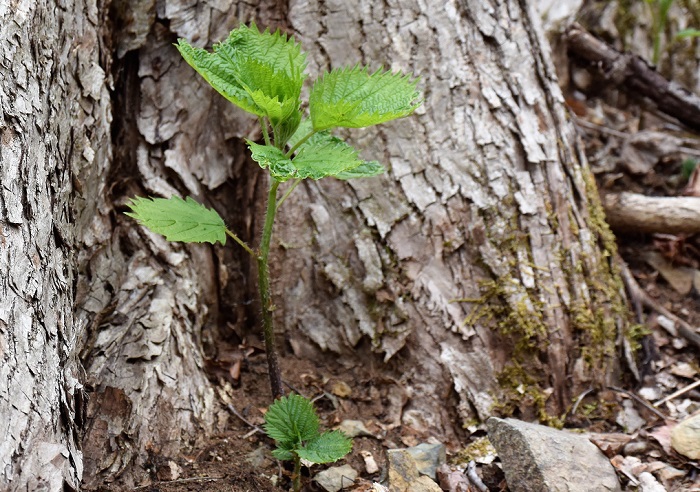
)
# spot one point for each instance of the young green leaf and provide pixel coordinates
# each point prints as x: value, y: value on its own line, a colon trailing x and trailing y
x: 325, y: 155
x: 365, y: 170
x: 688, y: 33
x: 326, y: 448
x: 354, y: 98
x: 272, y: 158
x: 262, y: 73
x: 178, y: 219
x: 291, y: 420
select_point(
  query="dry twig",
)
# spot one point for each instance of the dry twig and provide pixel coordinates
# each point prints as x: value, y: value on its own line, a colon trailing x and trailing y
x: 639, y: 400
x: 474, y: 478
x: 678, y: 393
x: 681, y: 327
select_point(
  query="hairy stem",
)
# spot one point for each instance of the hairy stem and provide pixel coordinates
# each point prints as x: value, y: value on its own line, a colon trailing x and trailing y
x: 263, y: 125
x: 296, y: 475
x: 242, y: 243
x: 265, y: 297
x: 289, y: 154
x: 288, y: 192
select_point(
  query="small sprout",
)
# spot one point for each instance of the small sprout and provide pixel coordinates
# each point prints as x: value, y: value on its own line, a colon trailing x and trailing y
x: 292, y: 422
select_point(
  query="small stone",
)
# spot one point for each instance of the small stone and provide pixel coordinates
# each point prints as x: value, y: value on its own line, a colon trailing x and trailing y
x: 685, y: 437
x: 452, y: 480
x: 404, y: 475
x: 354, y: 428
x: 628, y: 418
x: 336, y: 478
x: 684, y: 369
x: 428, y: 457
x: 258, y: 457
x: 424, y: 484
x: 647, y: 483
x: 540, y: 458
x: 635, y: 447
x: 370, y: 464
x: 650, y: 393
x: 402, y: 469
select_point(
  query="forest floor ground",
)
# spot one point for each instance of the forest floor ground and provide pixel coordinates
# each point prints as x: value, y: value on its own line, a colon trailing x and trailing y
x: 239, y: 459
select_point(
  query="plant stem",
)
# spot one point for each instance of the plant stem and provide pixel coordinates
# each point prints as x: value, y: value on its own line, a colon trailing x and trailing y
x: 296, y: 475
x: 239, y: 241
x: 265, y: 297
x: 288, y: 192
x: 263, y: 125
x: 289, y: 154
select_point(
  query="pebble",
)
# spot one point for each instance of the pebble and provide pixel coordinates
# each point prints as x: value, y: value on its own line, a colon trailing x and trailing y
x: 685, y: 437
x: 336, y: 478
x: 404, y: 475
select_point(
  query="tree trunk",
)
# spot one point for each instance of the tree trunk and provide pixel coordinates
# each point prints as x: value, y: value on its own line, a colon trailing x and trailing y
x: 54, y: 134
x: 474, y: 276
x: 481, y: 262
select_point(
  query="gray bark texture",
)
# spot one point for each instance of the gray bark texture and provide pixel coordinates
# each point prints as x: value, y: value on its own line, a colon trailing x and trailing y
x: 474, y: 276
x: 54, y: 142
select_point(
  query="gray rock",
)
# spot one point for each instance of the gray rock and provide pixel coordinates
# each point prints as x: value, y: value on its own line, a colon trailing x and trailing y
x: 628, y: 418
x: 428, y: 457
x: 336, y: 478
x: 404, y: 475
x: 647, y: 483
x: 685, y: 437
x: 354, y: 428
x: 540, y: 458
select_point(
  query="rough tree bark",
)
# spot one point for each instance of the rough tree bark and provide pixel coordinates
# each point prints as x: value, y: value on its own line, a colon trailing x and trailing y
x: 475, y: 274
x: 54, y: 145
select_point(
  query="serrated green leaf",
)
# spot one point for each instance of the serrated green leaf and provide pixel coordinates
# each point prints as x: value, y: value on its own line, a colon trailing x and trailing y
x: 262, y: 73
x: 365, y: 170
x: 291, y: 420
x: 325, y: 155
x: 178, y: 219
x: 326, y: 448
x: 354, y: 98
x: 272, y: 158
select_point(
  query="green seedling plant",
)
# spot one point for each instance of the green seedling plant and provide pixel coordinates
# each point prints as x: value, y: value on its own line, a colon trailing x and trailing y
x: 292, y: 422
x: 659, y: 13
x: 263, y: 74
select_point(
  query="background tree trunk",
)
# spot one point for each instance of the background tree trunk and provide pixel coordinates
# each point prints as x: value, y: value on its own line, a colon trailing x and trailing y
x: 54, y: 149
x: 476, y: 274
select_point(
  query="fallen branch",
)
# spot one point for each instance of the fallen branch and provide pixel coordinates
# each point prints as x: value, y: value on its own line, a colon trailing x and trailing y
x: 632, y: 212
x: 633, y: 74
